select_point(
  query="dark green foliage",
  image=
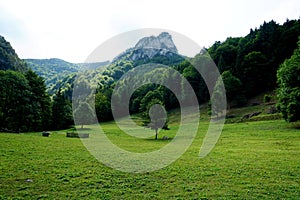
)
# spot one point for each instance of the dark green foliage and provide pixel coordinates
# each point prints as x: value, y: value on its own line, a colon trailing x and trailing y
x: 234, y: 90
x: 137, y: 96
x: 289, y: 33
x: 255, y: 73
x: 102, y: 107
x: 195, y: 79
x: 39, y: 115
x: 256, y: 64
x: 225, y: 53
x: 288, y: 93
x: 61, y: 112
x: 25, y: 105
x: 103, y: 99
x: 14, y: 101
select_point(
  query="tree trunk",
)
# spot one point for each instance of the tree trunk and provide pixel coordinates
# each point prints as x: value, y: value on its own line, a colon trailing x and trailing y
x: 81, y: 126
x: 156, y: 134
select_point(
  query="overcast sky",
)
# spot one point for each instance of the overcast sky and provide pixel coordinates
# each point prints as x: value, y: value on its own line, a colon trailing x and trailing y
x: 71, y: 30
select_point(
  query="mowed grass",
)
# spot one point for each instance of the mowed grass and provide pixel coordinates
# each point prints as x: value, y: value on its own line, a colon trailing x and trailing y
x: 253, y: 160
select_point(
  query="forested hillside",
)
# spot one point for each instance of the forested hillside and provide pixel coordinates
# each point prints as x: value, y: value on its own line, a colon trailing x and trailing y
x: 58, y: 73
x: 248, y: 66
x: 255, y: 58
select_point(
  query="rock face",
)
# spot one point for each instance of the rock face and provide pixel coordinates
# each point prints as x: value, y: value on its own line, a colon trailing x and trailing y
x: 150, y: 47
x: 163, y: 41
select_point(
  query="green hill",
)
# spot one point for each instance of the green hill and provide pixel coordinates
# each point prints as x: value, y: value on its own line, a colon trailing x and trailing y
x: 52, y: 70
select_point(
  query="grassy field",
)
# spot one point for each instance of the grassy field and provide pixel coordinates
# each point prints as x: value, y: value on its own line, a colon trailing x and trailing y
x: 252, y: 160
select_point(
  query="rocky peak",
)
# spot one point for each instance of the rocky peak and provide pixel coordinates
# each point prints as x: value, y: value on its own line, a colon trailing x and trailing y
x: 162, y: 41
x: 150, y: 47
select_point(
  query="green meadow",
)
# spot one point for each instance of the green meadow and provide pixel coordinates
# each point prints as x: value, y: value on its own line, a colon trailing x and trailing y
x: 252, y: 160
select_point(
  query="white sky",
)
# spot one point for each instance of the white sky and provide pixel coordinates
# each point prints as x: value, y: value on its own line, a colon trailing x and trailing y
x: 71, y: 30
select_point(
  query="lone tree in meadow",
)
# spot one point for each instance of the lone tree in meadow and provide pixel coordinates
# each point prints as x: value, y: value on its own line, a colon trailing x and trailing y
x: 84, y: 114
x: 157, y: 116
x: 218, y: 108
x: 288, y: 93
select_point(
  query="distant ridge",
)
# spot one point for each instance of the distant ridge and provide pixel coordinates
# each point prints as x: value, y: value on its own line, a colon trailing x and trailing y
x: 55, y: 70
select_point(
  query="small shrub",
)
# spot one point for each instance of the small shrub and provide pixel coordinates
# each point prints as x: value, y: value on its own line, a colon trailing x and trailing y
x: 267, y: 98
x: 275, y: 116
x: 45, y: 134
x: 77, y: 135
x: 272, y: 110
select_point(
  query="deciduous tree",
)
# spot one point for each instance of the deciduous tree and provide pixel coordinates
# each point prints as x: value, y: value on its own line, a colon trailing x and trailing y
x: 288, y: 93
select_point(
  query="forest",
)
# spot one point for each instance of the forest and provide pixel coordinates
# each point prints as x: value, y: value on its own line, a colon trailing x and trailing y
x: 266, y: 59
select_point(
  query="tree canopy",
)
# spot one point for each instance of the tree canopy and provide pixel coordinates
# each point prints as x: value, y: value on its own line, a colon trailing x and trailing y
x: 24, y: 105
x: 288, y: 93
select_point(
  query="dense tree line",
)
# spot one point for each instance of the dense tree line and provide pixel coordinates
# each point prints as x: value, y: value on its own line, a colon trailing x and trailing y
x: 25, y: 104
x: 255, y: 58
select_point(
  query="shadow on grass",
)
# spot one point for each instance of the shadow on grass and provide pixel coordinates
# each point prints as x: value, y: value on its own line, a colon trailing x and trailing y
x: 82, y: 129
x: 159, y: 139
x: 295, y: 125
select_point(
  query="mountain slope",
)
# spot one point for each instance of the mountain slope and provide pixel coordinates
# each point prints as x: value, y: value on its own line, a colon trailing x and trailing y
x: 9, y: 60
x: 61, y: 74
